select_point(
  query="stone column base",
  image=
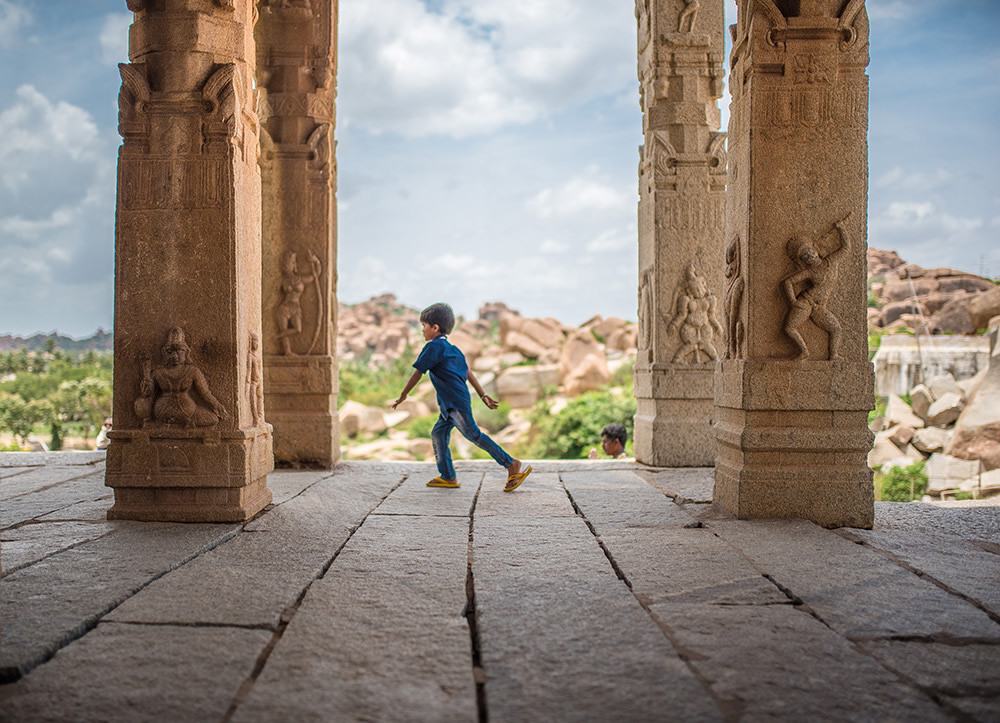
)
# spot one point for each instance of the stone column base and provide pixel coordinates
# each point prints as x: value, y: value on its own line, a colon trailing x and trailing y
x: 673, y: 420
x: 300, y: 401
x: 173, y: 474
x: 794, y: 440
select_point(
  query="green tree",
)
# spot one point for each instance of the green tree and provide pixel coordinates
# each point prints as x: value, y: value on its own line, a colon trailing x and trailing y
x: 20, y: 417
x: 576, y: 429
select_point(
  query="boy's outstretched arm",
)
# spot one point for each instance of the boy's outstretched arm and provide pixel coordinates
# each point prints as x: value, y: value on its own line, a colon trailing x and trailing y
x: 488, y: 401
x: 412, y: 382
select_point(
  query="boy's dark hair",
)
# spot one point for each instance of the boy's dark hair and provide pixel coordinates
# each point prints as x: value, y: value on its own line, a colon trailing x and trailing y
x: 440, y: 314
x: 616, y: 431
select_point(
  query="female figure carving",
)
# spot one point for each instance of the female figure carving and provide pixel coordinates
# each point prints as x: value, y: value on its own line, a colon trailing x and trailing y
x: 696, y: 319
x: 289, y: 310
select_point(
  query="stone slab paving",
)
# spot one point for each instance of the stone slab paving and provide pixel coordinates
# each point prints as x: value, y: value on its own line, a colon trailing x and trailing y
x: 132, y: 673
x: 253, y: 579
x: 50, y: 603
x: 29, y: 544
x: 39, y: 478
x: 399, y: 649
x: 560, y: 635
x: 65, y: 487
x: 597, y: 591
x: 855, y: 590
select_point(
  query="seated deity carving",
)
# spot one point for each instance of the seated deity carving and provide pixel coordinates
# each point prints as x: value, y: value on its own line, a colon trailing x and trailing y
x: 696, y: 320
x: 817, y: 277
x: 165, y: 393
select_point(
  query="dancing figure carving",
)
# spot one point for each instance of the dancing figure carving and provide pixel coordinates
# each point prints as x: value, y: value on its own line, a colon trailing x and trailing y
x: 696, y: 320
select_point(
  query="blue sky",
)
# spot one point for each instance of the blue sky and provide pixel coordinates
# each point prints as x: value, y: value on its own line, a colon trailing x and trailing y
x: 487, y: 151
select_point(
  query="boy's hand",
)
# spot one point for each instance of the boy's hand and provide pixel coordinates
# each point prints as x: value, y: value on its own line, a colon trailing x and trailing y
x: 490, y: 401
x: 593, y: 453
x: 393, y: 405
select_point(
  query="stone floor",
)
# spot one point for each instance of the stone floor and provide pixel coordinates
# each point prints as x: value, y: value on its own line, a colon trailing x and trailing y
x: 598, y: 591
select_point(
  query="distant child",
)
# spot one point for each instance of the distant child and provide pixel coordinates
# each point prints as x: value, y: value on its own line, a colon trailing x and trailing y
x: 449, y: 372
x: 613, y: 438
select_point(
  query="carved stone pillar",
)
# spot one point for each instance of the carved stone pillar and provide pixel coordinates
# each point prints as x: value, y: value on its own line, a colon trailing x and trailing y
x: 189, y: 440
x: 297, y: 74
x: 682, y: 196
x: 794, y: 392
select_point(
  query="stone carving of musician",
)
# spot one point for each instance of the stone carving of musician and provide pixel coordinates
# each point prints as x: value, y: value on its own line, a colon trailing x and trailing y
x: 165, y: 392
x: 817, y: 278
x: 293, y: 284
x: 696, y: 320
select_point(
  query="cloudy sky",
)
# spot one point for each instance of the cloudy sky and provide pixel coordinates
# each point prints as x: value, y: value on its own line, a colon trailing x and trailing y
x: 487, y: 151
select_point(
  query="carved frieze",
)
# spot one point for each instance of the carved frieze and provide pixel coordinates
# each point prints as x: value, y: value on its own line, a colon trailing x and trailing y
x: 734, y: 300
x: 177, y: 392
x: 809, y: 288
x: 289, y: 313
x: 695, y: 320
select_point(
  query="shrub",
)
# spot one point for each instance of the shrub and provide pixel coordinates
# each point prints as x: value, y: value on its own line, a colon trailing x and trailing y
x: 374, y: 387
x: 422, y: 426
x: 576, y: 429
x: 904, y: 484
x: 490, y: 420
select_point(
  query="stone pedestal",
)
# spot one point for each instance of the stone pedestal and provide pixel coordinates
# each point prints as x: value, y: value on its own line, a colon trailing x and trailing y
x: 682, y: 184
x: 794, y: 392
x: 297, y: 73
x: 189, y: 441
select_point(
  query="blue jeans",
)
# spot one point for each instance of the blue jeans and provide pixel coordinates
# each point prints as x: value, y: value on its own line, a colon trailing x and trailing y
x: 462, y: 419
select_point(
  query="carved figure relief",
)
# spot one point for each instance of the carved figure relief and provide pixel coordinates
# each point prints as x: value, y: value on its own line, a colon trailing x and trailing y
x: 688, y: 16
x: 734, y: 300
x: 255, y: 381
x: 696, y: 320
x: 165, y: 393
x: 289, y: 311
x: 646, y: 309
x: 642, y: 18
x: 817, y: 277
x: 301, y: 8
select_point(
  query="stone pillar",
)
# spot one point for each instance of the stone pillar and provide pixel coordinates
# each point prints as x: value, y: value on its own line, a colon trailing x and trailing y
x: 189, y: 441
x: 297, y: 73
x: 795, y: 388
x: 682, y: 196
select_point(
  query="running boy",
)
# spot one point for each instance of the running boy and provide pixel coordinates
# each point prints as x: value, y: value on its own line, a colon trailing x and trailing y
x: 449, y: 372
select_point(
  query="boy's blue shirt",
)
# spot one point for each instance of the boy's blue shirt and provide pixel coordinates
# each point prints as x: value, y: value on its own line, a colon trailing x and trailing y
x: 449, y: 372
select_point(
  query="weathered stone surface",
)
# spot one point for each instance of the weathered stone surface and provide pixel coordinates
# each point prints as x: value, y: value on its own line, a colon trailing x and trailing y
x: 777, y: 662
x: 984, y: 306
x: 943, y: 384
x: 972, y: 520
x: 953, y: 317
x: 402, y: 648
x: 414, y: 497
x: 903, y: 359
x: 45, y: 605
x: 977, y: 430
x: 683, y: 485
x: 859, y: 594
x: 612, y: 662
x: 48, y: 499
x: 945, y: 472
x: 901, y: 435
x: 945, y: 409
x: 960, y: 565
x: 582, y: 364
x: 899, y: 412
x: 622, y: 498
x: 159, y: 673
x: 957, y: 671
x: 252, y: 579
x: 921, y: 399
x: 540, y: 495
x: 10, y: 461
x: 39, y: 478
x: 931, y: 439
x: 28, y: 544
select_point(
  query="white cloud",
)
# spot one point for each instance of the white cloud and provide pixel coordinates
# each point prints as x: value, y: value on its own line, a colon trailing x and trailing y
x: 889, y: 9
x: 13, y: 17
x: 35, y: 127
x: 916, y: 182
x: 551, y: 246
x: 474, y: 66
x: 613, y: 240
x: 114, y: 37
x: 578, y: 196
